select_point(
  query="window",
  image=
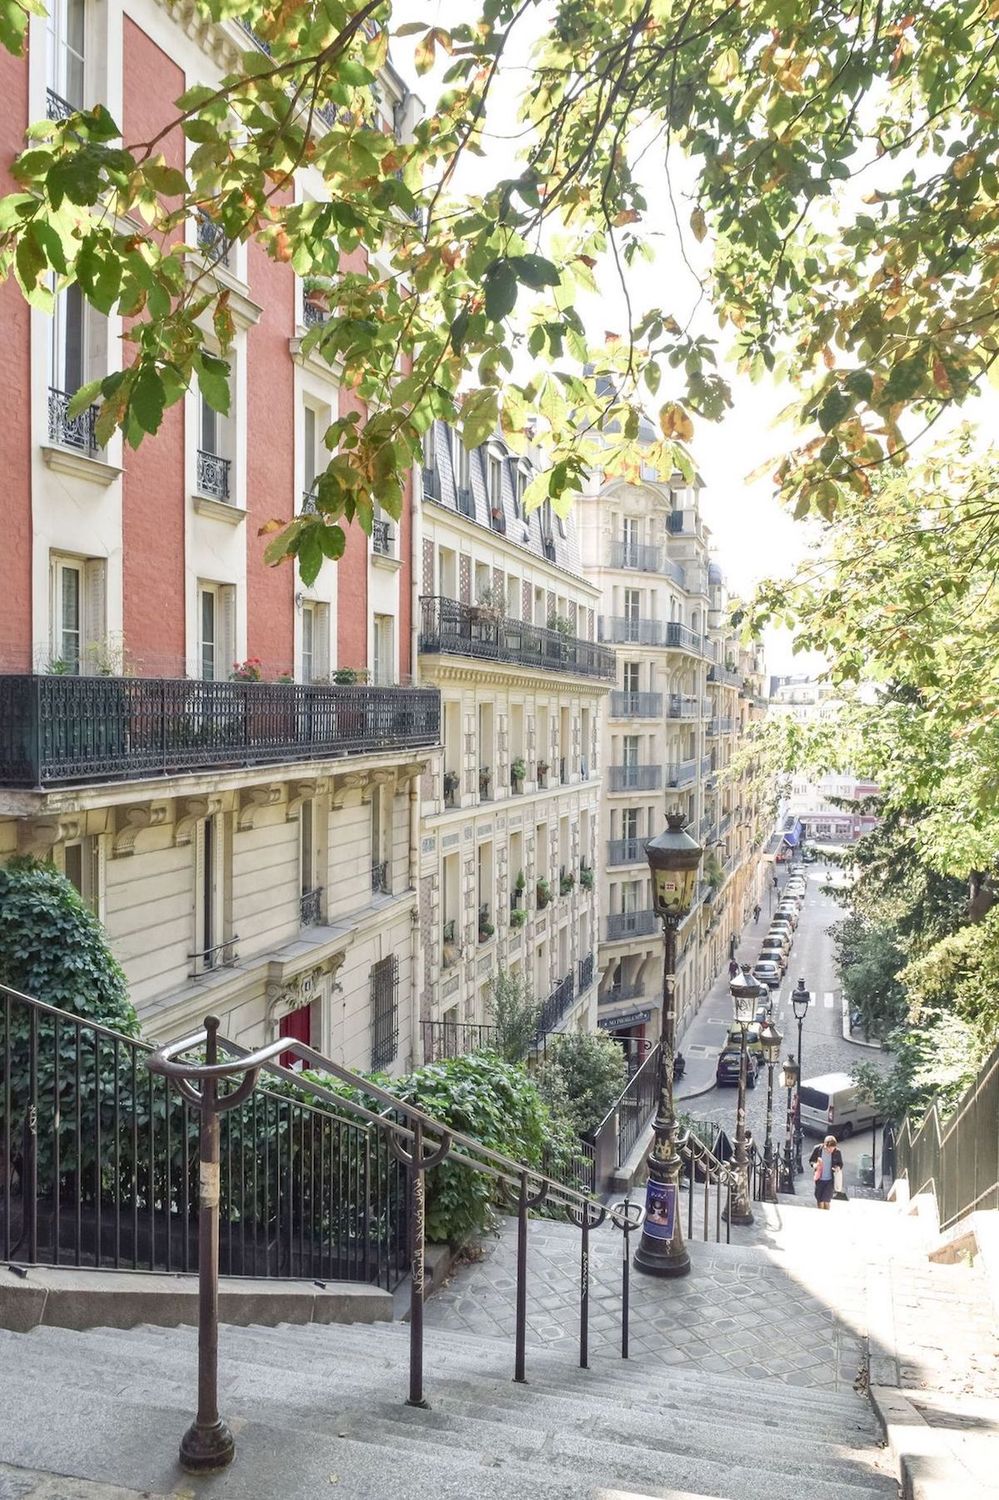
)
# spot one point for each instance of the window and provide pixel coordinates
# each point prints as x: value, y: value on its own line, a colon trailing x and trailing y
x: 311, y: 899
x: 212, y: 950
x: 66, y: 60
x: 519, y: 486
x: 78, y: 627
x: 384, y: 1012
x: 82, y: 867
x: 495, y: 482
x: 460, y: 464
x: 631, y: 669
x: 315, y: 641
x: 632, y: 610
x: 213, y: 470
x: 379, y: 864
x: 629, y: 823
x: 629, y: 541
x: 429, y: 448
x: 76, y: 353
x: 216, y: 631
x: 384, y: 651
x: 310, y: 466
x: 629, y: 750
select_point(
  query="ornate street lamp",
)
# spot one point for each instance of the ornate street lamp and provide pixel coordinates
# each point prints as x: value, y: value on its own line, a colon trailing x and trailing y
x: 674, y: 858
x: 745, y: 992
x: 771, y: 1040
x: 800, y: 1001
x: 789, y: 1081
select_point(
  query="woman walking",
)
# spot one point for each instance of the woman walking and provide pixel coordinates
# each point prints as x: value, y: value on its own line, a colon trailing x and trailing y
x: 824, y: 1160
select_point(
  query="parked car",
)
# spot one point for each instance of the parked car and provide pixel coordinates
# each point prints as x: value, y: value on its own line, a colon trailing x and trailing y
x: 728, y: 1066
x: 764, y: 1009
x: 753, y: 1044
x: 834, y: 1103
x: 789, y: 912
x: 781, y: 935
x: 773, y: 954
x: 769, y: 971
x: 809, y: 856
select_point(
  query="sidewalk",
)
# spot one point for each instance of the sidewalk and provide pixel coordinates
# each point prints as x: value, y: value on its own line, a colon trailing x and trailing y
x: 702, y: 1039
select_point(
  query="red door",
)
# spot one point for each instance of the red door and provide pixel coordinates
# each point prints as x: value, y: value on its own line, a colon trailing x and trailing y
x: 296, y: 1024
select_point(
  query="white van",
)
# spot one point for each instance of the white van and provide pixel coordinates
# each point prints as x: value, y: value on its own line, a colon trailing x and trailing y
x: 834, y: 1105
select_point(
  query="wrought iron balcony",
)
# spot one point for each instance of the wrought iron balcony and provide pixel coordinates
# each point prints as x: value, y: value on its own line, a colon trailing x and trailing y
x: 628, y: 705
x: 618, y: 993
x: 56, y: 107
x: 308, y: 503
x: 311, y: 907
x: 381, y: 538
x: 635, y: 555
x: 71, y: 432
x: 443, y: 1039
x: 677, y: 572
x: 706, y: 766
x: 634, y: 778
x: 625, y: 851
x: 466, y: 502
x: 213, y: 242
x: 625, y: 924
x: 213, y: 475
x: 557, y: 1006
x: 313, y: 313
x: 586, y: 966
x: 724, y: 675
x: 57, y: 731
x: 451, y: 628
x: 680, y: 706
x: 681, y: 773
x: 431, y: 483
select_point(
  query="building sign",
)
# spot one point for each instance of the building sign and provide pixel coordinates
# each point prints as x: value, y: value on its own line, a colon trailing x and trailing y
x: 660, y: 1210
x: 632, y: 1018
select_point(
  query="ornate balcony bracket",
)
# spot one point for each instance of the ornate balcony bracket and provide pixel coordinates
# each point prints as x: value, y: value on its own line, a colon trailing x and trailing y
x: 251, y: 800
x: 131, y: 821
x: 37, y: 837
x: 191, y: 810
x: 302, y: 791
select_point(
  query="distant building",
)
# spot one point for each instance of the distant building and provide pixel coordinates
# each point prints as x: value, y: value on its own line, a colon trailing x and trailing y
x: 818, y: 804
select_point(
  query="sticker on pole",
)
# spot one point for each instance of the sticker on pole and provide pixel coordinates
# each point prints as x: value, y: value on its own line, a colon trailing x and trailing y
x: 660, y: 1210
x: 209, y: 1184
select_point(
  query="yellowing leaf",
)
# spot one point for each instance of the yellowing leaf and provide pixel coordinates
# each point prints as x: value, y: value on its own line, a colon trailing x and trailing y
x: 698, y: 224
x: 675, y: 423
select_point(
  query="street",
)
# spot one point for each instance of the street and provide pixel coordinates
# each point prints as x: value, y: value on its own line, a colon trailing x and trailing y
x: 824, y: 1048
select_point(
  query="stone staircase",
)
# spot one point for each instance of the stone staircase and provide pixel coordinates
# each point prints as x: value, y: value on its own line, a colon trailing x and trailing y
x: 741, y: 1382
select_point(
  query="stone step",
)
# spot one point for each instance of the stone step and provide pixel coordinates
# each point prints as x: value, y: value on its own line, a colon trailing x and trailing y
x: 313, y: 1396
x: 119, y: 1441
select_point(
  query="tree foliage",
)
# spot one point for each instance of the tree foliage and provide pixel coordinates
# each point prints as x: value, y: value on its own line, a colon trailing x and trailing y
x: 840, y: 168
x: 581, y: 1076
x: 515, y: 1014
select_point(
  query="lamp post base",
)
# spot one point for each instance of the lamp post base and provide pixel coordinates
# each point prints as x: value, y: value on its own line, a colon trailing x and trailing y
x: 659, y: 1259
x: 206, y: 1449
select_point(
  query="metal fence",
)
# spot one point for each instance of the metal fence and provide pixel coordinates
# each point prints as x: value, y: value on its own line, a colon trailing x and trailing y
x: 58, y: 730
x: 956, y: 1159
x: 457, y: 629
x: 100, y: 1166
x: 614, y: 1138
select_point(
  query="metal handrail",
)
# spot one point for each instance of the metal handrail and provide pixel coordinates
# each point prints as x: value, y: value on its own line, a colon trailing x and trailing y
x: 957, y: 1159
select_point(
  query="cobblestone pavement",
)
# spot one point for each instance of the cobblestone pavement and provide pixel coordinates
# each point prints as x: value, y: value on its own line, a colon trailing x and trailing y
x: 791, y: 1312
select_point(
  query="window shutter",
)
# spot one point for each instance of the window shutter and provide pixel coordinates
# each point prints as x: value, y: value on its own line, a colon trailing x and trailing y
x: 227, y: 633
x: 321, y: 643
x: 95, y: 603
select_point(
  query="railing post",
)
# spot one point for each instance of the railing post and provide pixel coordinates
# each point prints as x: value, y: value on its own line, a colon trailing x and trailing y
x: 584, y: 1291
x: 520, y: 1335
x: 208, y: 1444
x: 417, y: 1228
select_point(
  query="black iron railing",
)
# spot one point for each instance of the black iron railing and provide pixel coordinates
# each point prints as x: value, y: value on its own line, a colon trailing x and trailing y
x: 213, y: 475
x: 101, y: 1166
x: 618, y: 993
x: 56, y: 107
x: 466, y: 502
x: 78, y: 432
x: 443, y: 1039
x: 630, y: 778
x: 381, y: 538
x: 628, y: 1117
x: 957, y: 1158
x: 624, y: 924
x: 457, y: 629
x: 212, y: 240
x: 311, y: 907
x: 556, y: 1008
x: 380, y: 877
x: 218, y: 956
x: 635, y: 555
x: 59, y: 730
x: 431, y: 484
x: 628, y: 705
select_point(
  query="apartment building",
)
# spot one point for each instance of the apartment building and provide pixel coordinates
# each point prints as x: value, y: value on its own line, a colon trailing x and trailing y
x: 509, y: 851
x: 821, y: 801
x: 227, y: 763
x: 683, y: 697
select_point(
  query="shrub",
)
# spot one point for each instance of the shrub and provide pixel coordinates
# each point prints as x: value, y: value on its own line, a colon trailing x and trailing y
x: 582, y: 1075
x: 515, y: 1013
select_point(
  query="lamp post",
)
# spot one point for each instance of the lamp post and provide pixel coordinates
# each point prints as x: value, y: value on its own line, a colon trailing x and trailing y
x: 744, y: 997
x: 789, y: 1080
x: 800, y: 1000
x: 771, y: 1039
x: 674, y: 858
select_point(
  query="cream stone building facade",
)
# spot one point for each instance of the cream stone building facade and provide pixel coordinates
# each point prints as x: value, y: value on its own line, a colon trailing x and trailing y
x: 509, y: 825
x: 685, y: 692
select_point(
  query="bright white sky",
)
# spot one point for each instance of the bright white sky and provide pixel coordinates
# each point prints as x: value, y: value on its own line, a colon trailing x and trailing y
x: 753, y: 536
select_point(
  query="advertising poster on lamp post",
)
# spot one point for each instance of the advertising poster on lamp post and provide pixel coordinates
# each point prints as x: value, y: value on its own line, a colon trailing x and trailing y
x: 660, y: 1210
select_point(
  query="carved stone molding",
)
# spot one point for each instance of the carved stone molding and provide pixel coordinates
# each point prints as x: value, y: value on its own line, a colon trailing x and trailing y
x: 37, y: 837
x: 252, y: 799
x: 191, y: 810
x: 131, y: 821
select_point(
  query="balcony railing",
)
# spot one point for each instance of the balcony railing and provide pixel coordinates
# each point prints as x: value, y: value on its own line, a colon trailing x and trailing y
x: 724, y: 675
x: 586, y: 966
x: 621, y: 992
x: 213, y: 242
x: 635, y: 555
x: 457, y: 629
x: 56, y: 107
x: 444, y: 1039
x: 706, y: 767
x: 628, y: 705
x: 466, y: 502
x: 71, y: 432
x: 634, y: 778
x: 381, y: 538
x: 313, y: 313
x: 556, y: 1007
x: 213, y: 475
x: 624, y: 924
x: 625, y: 851
x: 60, y: 730
x: 311, y: 907
x: 431, y: 484
x: 679, y: 706
x: 681, y: 773
x: 636, y: 631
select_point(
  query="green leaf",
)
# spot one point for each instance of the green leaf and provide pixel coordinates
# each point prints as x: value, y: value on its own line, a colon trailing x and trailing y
x: 213, y: 379
x: 166, y: 180
x: 534, y: 270
x: 834, y: 408
x: 148, y: 399
x: 332, y: 540
x: 83, y: 397
x: 501, y: 290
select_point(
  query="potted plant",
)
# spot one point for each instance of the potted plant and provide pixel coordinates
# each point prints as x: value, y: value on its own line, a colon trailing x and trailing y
x: 586, y: 877
x: 486, y: 928
x: 316, y: 294
x: 450, y: 952
x: 543, y: 892
x: 489, y: 603
x: 518, y: 917
x: 518, y: 772
x: 520, y: 884
x: 246, y: 671
x: 485, y: 776
x: 542, y: 769
x: 452, y: 781
x: 566, y: 882
x: 561, y: 624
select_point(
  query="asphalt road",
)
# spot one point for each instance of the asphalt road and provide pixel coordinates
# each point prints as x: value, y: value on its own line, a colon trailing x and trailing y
x: 824, y: 1048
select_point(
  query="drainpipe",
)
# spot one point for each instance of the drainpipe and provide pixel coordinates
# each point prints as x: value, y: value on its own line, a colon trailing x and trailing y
x: 416, y: 985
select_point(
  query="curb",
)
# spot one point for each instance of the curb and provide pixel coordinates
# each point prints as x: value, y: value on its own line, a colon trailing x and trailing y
x: 847, y: 1034
x: 928, y: 1467
x: 694, y: 1093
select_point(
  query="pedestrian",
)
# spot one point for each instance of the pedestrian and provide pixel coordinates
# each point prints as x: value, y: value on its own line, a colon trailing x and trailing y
x: 733, y: 968
x: 756, y: 912
x: 825, y: 1160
